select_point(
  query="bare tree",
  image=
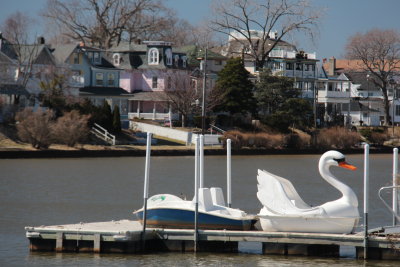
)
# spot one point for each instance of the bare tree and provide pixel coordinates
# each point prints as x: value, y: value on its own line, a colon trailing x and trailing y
x: 100, y: 22
x: 181, y: 94
x: 239, y: 18
x: 17, y: 30
x: 379, y: 52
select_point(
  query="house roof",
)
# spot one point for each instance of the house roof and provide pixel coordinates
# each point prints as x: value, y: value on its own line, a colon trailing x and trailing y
x: 149, y: 96
x: 345, y: 65
x: 356, y: 106
x: 361, y: 78
x: 12, y: 89
x: 62, y: 52
x: 108, y: 91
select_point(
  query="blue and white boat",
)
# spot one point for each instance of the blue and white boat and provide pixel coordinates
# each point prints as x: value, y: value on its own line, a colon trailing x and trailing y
x: 169, y: 211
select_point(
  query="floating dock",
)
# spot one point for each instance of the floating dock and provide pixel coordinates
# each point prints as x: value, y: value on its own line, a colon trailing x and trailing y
x: 126, y: 236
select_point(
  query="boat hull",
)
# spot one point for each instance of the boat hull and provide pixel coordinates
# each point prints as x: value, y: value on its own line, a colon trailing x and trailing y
x: 340, y: 225
x: 184, y: 219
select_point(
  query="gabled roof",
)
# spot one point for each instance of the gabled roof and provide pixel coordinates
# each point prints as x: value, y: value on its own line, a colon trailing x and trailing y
x: 361, y: 78
x: 62, y: 52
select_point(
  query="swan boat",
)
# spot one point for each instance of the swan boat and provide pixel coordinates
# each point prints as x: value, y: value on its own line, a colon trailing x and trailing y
x: 284, y: 211
x: 170, y: 211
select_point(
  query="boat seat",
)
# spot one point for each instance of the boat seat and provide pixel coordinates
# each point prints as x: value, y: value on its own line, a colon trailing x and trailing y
x: 205, y: 199
x: 217, y: 196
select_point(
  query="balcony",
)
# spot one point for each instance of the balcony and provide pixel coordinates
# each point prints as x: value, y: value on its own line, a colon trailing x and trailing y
x: 290, y: 54
x: 333, y: 96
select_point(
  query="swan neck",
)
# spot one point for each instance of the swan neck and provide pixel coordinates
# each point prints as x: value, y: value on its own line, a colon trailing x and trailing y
x: 347, y: 193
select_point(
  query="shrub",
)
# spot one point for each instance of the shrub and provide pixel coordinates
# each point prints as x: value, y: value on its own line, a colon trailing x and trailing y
x: 257, y: 140
x: 35, y: 127
x: 71, y: 128
x: 337, y: 138
x: 375, y: 136
x: 297, y: 140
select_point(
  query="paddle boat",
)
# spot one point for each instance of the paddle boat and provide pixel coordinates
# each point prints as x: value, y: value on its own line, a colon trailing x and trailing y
x: 284, y: 211
x: 170, y: 211
x: 208, y: 204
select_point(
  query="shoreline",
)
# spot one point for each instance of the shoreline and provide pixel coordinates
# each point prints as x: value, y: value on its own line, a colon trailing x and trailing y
x: 159, y: 151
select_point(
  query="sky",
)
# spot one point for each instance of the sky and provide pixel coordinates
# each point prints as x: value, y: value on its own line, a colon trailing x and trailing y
x: 342, y: 19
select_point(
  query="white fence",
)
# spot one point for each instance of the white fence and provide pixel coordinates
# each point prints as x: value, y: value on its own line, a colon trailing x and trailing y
x: 183, y: 136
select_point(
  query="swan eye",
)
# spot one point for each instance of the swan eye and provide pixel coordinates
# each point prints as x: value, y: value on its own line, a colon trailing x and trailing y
x: 340, y: 160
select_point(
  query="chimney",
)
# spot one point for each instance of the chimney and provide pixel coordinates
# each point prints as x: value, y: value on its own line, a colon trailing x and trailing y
x: 40, y: 40
x: 332, y: 66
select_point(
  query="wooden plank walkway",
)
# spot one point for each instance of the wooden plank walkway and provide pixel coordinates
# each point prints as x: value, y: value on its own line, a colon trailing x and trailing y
x: 125, y: 236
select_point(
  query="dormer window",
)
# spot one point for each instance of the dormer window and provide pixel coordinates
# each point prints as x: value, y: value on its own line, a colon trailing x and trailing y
x: 96, y: 57
x: 168, y: 55
x: 117, y: 59
x: 184, y: 59
x: 153, y: 56
x: 176, y: 59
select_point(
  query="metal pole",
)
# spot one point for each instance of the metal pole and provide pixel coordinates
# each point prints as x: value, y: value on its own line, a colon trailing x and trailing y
x: 366, y: 189
x: 196, y: 191
x: 146, y: 188
x: 201, y: 185
x: 395, y: 171
x: 203, y: 107
x: 228, y: 172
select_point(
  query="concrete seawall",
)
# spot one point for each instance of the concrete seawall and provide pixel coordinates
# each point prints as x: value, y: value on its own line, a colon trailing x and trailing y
x: 13, y: 154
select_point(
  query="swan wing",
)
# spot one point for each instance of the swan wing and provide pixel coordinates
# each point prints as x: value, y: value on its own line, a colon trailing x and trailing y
x: 272, y: 195
x: 291, y: 192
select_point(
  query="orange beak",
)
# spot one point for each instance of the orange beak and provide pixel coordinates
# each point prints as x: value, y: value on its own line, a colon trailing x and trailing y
x: 345, y: 165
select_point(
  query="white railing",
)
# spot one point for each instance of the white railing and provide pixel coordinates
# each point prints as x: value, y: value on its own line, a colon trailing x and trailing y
x: 290, y: 54
x: 151, y: 116
x: 335, y: 94
x: 103, y: 134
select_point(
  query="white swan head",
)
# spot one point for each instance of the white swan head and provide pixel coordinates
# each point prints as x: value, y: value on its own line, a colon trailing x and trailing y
x: 335, y: 158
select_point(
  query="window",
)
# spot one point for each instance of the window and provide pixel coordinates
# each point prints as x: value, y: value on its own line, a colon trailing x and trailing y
x: 184, y: 61
x: 154, y: 84
x: 168, y: 55
x: 299, y: 66
x: 218, y: 62
x: 111, y: 79
x: 117, y: 59
x: 153, y: 56
x: 76, y: 58
x: 309, y: 67
x: 397, y: 110
x: 289, y: 66
x: 276, y: 66
x: 176, y: 59
x: 96, y: 57
x: 99, y: 79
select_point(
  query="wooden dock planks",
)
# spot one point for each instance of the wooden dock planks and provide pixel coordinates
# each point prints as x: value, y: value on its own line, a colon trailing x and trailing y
x: 125, y: 236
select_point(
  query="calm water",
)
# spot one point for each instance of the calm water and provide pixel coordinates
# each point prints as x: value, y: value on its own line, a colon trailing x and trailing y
x: 36, y: 192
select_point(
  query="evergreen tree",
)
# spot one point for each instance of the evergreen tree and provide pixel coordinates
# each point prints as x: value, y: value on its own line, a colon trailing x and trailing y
x: 271, y: 92
x: 106, y: 117
x: 116, y: 120
x: 233, y: 81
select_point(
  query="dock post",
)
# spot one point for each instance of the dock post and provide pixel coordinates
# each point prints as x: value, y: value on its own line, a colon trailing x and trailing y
x: 196, y: 193
x: 366, y: 187
x: 146, y: 189
x: 59, y: 241
x: 201, y: 184
x: 228, y: 172
x: 395, y: 171
x: 96, y: 243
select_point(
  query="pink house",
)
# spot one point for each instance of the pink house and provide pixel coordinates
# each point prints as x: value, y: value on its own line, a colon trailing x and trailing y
x: 148, y: 69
